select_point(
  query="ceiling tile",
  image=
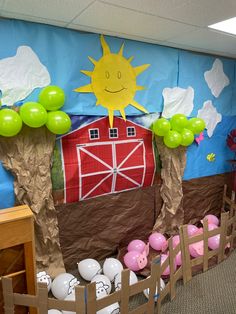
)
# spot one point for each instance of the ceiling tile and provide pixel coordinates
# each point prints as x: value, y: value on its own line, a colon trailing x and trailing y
x: 57, y: 10
x: 127, y: 22
x: 29, y: 18
x: 1, y: 4
x: 206, y: 40
x: 200, y: 12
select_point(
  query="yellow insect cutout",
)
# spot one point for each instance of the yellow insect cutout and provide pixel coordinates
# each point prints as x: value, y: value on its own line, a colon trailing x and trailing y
x: 211, y: 157
x: 113, y: 81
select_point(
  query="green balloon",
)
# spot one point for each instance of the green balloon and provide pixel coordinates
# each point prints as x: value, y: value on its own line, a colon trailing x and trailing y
x: 58, y: 122
x: 178, y: 122
x: 161, y: 126
x: 52, y: 97
x: 187, y: 137
x: 196, y: 125
x: 33, y: 114
x: 10, y: 122
x: 172, y: 139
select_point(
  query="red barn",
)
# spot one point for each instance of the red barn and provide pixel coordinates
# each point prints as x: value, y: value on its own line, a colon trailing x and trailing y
x: 100, y: 160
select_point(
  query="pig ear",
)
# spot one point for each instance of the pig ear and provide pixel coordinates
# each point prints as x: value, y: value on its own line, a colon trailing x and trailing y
x: 146, y: 249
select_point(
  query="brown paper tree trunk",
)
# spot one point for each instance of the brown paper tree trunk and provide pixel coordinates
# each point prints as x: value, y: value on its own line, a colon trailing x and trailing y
x: 28, y: 156
x: 173, y: 165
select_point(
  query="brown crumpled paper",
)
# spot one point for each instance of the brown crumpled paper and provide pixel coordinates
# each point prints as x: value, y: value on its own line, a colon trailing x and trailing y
x: 173, y: 165
x: 28, y: 156
x: 98, y: 227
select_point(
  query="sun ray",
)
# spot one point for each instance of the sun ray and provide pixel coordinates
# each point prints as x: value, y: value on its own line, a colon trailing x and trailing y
x: 84, y: 89
x: 120, y: 53
x: 93, y: 60
x: 138, y: 106
x: 105, y: 47
x: 111, y: 117
x: 130, y: 59
x: 138, y: 70
x: 88, y: 73
x: 122, y: 112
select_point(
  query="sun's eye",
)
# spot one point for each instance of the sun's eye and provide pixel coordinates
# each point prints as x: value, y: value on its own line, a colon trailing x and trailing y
x: 107, y: 74
x: 119, y: 75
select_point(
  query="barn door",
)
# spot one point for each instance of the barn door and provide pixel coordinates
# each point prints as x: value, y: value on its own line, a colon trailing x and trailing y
x: 110, y: 167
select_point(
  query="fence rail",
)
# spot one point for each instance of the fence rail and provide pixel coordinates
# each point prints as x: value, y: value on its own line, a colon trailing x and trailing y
x: 85, y: 297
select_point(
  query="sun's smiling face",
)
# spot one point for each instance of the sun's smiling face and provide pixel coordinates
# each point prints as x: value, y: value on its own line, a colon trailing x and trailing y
x: 113, y: 81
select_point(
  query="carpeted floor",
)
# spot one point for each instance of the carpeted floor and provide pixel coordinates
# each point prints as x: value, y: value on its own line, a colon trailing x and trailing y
x: 212, y: 292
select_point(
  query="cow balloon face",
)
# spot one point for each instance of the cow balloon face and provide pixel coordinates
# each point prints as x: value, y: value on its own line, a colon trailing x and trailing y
x: 42, y: 276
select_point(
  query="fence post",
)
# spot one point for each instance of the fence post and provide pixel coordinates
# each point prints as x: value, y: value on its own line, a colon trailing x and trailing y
x: 172, y: 269
x: 80, y: 300
x: 205, y: 243
x: 124, y: 297
x: 233, y: 233
x: 155, y: 283
x: 42, y: 298
x: 186, y: 260
x: 8, y: 295
x: 91, y: 298
x: 223, y: 234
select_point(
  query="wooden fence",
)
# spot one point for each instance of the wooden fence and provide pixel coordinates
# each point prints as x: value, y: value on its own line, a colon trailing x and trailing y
x: 85, y: 297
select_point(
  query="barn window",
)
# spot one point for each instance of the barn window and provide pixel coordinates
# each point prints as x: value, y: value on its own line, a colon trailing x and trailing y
x: 93, y: 134
x: 113, y: 133
x: 131, y: 131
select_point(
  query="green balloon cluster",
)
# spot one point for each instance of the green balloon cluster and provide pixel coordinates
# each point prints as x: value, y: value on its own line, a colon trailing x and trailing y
x: 179, y: 130
x: 52, y: 98
x: 10, y: 122
x: 35, y: 115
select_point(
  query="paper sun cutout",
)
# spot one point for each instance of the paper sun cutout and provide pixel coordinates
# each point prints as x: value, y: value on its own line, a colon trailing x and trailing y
x: 216, y: 78
x: 113, y: 81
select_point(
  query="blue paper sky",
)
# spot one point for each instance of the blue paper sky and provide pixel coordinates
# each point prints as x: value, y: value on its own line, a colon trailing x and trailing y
x: 65, y: 52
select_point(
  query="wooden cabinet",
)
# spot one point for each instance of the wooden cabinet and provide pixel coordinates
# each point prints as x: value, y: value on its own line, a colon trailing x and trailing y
x: 17, y: 251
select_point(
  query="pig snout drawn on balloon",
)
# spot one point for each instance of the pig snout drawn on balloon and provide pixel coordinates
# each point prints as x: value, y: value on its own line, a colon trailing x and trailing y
x: 142, y: 258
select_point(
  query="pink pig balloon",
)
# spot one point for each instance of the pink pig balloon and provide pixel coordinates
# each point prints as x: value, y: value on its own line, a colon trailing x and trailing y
x: 212, y: 227
x: 191, y: 229
x: 130, y: 260
x: 214, y: 242
x: 196, y: 249
x: 175, y: 240
x: 136, y: 245
x: 212, y: 219
x: 135, y: 260
x: 178, y: 259
x: 142, y: 259
x: 166, y: 272
x: 158, y: 241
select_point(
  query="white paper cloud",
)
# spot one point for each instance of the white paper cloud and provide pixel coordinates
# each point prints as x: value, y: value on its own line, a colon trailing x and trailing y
x: 147, y: 120
x: 210, y: 115
x: 177, y: 100
x: 216, y: 78
x: 20, y: 75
